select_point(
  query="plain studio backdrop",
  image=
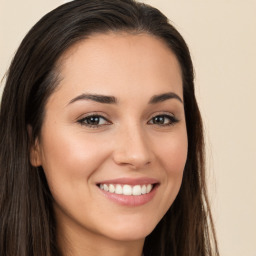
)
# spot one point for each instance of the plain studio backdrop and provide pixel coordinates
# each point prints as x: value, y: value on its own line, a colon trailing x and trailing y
x: 221, y: 35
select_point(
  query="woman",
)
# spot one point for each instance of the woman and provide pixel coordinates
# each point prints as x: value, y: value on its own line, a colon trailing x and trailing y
x: 101, y: 147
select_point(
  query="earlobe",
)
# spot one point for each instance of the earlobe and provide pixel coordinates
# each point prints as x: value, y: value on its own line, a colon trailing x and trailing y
x: 35, y: 156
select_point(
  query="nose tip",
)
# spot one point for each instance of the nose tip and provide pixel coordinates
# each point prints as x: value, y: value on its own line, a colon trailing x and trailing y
x: 132, y: 151
x: 134, y: 161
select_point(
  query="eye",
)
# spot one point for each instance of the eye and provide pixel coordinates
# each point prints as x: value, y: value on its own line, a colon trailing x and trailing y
x: 163, y: 120
x: 93, y: 121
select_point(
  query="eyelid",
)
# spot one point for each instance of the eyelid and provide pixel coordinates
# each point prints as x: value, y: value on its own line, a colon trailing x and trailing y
x: 161, y: 113
x: 93, y: 113
x: 82, y: 118
x: 169, y: 115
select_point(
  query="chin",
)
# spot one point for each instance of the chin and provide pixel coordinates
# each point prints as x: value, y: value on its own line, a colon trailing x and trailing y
x: 130, y: 231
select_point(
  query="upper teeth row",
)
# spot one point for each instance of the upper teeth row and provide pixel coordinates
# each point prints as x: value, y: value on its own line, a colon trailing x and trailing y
x: 127, y: 189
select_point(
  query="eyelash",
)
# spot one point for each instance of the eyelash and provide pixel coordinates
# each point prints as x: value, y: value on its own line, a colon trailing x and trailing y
x: 85, y: 120
x: 172, y: 120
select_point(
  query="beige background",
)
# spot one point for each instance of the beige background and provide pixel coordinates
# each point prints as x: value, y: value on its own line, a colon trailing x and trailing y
x: 222, y: 38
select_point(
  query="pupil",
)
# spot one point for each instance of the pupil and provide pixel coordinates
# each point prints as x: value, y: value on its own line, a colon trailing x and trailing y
x: 159, y: 120
x: 93, y: 120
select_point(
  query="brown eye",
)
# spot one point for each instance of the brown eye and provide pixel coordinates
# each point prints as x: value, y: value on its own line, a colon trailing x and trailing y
x: 93, y: 121
x: 160, y: 120
x: 163, y: 120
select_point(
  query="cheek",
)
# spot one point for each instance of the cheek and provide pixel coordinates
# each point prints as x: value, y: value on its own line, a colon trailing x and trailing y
x: 173, y: 154
x: 70, y: 160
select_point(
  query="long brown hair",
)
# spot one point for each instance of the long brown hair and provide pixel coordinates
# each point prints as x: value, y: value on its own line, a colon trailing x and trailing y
x: 27, y: 223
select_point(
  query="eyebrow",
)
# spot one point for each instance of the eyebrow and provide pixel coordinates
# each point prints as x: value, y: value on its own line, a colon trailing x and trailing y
x: 165, y: 96
x: 95, y: 97
x: 113, y: 100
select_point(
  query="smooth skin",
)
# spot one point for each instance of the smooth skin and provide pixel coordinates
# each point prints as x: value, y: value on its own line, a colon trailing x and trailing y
x: 84, y: 142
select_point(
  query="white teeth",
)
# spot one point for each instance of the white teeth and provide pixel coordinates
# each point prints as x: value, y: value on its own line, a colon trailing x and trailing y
x: 143, y: 190
x: 127, y: 190
x: 149, y: 188
x: 111, y: 188
x: 119, y: 190
x: 136, y: 190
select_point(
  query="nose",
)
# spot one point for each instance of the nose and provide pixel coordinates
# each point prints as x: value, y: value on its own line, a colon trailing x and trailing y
x: 132, y: 148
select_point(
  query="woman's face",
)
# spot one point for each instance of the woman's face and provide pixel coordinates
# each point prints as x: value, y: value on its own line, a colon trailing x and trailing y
x: 113, y: 144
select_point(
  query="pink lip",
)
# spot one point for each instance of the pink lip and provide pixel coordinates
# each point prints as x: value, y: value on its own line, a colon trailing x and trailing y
x: 131, y: 200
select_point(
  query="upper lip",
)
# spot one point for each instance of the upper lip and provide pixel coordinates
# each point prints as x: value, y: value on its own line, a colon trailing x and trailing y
x: 130, y: 181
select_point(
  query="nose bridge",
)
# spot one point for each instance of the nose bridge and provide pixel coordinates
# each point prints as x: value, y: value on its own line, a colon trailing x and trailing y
x: 132, y: 147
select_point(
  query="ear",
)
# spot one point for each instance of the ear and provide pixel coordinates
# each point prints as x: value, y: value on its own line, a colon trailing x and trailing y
x: 34, y: 154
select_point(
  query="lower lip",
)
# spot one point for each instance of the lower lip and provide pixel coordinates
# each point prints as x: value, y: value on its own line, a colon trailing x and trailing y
x: 130, y: 200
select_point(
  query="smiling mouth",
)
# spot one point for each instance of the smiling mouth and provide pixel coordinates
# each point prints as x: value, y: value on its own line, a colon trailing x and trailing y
x: 128, y: 190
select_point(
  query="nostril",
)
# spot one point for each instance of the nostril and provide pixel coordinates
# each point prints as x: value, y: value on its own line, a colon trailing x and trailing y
x: 132, y: 160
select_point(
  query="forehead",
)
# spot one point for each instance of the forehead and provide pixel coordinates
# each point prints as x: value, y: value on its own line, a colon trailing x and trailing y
x: 120, y: 63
